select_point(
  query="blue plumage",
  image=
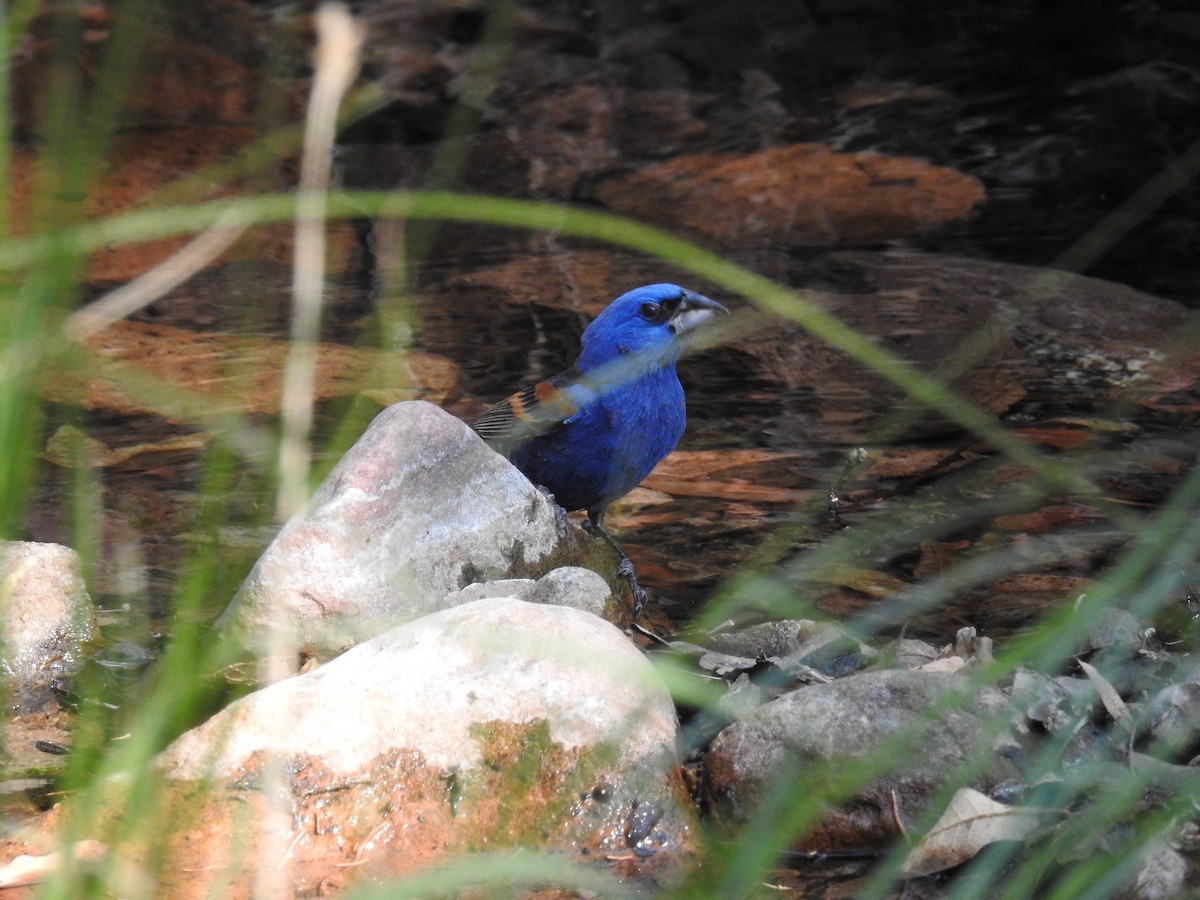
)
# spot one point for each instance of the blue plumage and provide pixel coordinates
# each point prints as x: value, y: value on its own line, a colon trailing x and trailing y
x: 590, y: 435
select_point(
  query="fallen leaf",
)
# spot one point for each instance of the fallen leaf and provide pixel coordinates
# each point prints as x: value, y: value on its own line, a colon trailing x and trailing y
x: 725, y: 663
x: 69, y: 447
x: 1058, y: 438
x: 1109, y: 697
x: 866, y: 581
x: 971, y: 822
x: 1033, y: 583
x: 938, y: 557
x: 905, y: 462
x: 1049, y: 518
x: 943, y: 664
x: 726, y: 490
x: 751, y: 475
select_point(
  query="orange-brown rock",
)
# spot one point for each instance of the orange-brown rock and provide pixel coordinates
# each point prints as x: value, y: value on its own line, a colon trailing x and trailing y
x: 147, y: 162
x: 799, y: 194
x: 209, y: 373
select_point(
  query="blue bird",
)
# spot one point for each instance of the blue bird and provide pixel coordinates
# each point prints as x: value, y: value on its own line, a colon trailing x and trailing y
x: 591, y: 434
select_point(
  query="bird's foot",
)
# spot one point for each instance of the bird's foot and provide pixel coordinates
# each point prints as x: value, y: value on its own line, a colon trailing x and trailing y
x: 629, y: 576
x: 625, y: 570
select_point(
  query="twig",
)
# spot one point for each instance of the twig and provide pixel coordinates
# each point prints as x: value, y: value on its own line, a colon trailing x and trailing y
x: 339, y: 44
x: 896, y: 817
x: 177, y: 268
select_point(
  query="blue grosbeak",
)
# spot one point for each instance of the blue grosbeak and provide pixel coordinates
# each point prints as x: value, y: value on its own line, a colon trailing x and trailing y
x: 591, y: 434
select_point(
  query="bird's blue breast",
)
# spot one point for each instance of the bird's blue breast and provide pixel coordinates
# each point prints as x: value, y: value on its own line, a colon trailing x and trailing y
x: 611, y: 444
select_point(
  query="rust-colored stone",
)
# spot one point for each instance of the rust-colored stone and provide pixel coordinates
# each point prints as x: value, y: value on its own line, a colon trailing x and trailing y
x: 799, y: 194
x: 229, y: 373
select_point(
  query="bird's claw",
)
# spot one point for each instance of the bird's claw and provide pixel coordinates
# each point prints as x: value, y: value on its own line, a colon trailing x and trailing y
x: 560, y: 514
x: 625, y: 570
x: 640, y: 599
x: 626, y: 573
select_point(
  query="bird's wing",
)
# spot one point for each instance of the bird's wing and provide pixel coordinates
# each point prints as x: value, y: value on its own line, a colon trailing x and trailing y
x: 538, y: 409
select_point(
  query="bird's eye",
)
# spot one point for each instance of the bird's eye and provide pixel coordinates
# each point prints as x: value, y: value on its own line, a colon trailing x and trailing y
x: 651, y: 312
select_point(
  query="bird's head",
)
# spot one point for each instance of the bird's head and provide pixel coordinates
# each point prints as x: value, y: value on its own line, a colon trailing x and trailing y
x: 648, y: 322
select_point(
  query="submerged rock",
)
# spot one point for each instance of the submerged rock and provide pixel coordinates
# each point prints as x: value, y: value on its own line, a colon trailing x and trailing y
x: 496, y: 723
x: 48, y: 618
x: 418, y: 508
x: 797, y: 194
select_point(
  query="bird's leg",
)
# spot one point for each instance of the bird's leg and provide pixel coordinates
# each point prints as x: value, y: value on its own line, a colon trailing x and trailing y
x: 625, y: 567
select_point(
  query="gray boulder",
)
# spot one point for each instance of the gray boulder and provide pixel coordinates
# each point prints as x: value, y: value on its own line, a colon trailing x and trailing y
x: 852, y: 718
x: 417, y: 509
x: 48, y: 618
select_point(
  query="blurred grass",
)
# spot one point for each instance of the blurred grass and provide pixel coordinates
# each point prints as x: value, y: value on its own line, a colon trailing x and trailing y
x: 45, y: 283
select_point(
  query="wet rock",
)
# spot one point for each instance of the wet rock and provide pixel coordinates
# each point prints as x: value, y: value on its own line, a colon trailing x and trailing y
x: 1050, y: 340
x: 1048, y: 702
x: 1175, y: 719
x: 1117, y: 632
x: 799, y: 194
x: 144, y: 161
x: 798, y: 649
x: 764, y: 640
x: 565, y: 586
x: 741, y: 699
x: 415, y: 510
x: 829, y: 648
x: 850, y: 719
x: 48, y: 618
x: 496, y: 723
x: 1162, y: 874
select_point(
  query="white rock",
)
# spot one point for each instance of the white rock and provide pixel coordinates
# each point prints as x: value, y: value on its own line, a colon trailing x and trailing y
x: 417, y: 508
x: 48, y: 617
x: 495, y: 723
x: 423, y: 685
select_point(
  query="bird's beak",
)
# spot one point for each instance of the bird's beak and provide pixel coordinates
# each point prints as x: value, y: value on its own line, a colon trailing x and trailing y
x: 693, y: 310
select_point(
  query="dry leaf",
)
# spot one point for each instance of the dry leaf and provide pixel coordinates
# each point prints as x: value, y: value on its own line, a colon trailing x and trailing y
x: 1050, y: 518
x: 943, y: 664
x: 906, y: 462
x: 1109, y: 697
x: 938, y: 557
x: 971, y: 822
x: 1058, y: 438
x: 69, y: 446
x: 866, y: 581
